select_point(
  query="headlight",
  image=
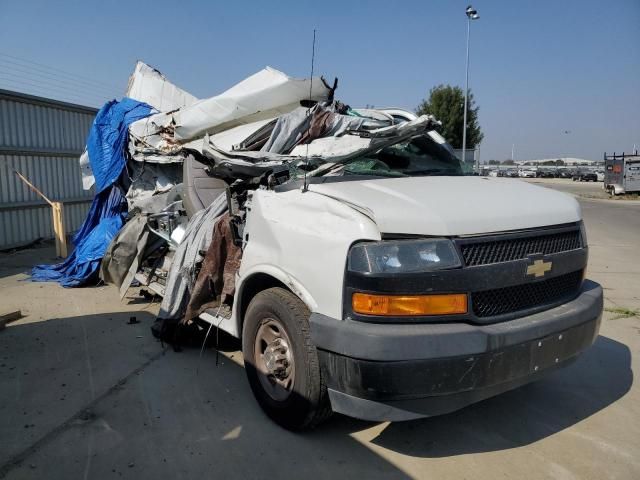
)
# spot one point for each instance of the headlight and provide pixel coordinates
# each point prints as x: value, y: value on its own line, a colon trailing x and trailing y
x: 400, y: 256
x: 583, y: 234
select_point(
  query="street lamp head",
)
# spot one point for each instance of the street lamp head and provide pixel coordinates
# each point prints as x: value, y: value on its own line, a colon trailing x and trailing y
x: 472, y: 13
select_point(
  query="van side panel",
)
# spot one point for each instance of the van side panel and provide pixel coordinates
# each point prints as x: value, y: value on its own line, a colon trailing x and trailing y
x: 303, y: 239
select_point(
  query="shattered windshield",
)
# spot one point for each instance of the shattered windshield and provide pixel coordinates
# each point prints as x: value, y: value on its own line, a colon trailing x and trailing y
x: 417, y: 156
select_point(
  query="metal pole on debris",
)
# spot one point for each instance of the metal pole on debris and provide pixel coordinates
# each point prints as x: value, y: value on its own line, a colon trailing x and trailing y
x: 472, y: 14
x: 305, y: 186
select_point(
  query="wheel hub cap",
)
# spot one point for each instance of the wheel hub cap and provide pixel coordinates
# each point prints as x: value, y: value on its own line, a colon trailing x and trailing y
x: 274, y: 359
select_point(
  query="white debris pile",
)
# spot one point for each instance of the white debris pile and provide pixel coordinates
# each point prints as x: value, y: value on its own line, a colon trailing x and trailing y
x: 265, y: 123
x: 188, y: 167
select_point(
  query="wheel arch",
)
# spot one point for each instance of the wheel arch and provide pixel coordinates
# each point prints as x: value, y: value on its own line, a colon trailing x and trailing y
x: 263, y: 279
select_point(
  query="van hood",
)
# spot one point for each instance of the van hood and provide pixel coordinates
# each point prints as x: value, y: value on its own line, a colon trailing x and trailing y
x: 451, y: 206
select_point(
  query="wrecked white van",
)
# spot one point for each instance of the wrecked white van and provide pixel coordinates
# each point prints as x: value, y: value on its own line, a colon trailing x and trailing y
x: 363, y: 271
x: 393, y: 287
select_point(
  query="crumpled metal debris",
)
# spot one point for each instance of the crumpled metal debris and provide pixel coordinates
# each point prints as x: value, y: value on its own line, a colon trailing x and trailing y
x: 266, y: 125
x: 149, y: 185
x: 263, y: 96
x: 182, y: 274
x: 302, y: 126
x: 122, y: 258
x: 321, y: 153
x: 148, y: 85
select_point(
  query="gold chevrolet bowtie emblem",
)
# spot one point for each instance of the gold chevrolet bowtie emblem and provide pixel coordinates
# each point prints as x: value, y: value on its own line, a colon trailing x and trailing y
x: 538, y: 268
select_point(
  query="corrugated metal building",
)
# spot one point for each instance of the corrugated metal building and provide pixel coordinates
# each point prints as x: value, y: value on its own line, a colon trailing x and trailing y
x: 42, y: 139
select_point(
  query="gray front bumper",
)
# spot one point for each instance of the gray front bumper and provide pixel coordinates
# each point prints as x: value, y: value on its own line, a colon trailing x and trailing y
x: 404, y: 371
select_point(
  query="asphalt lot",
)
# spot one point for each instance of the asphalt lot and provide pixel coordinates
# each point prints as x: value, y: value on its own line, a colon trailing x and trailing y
x: 84, y: 394
x: 583, y: 189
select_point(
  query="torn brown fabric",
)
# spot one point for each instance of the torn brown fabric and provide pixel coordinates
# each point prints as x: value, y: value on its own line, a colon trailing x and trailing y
x: 321, y: 122
x: 216, y: 282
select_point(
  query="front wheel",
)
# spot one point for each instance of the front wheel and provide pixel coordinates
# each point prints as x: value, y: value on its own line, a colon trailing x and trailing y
x: 281, y: 361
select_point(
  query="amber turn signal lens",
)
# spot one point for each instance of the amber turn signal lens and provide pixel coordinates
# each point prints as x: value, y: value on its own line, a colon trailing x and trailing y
x: 409, y: 305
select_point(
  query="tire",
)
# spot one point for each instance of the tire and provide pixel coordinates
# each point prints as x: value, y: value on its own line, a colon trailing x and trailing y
x: 290, y: 389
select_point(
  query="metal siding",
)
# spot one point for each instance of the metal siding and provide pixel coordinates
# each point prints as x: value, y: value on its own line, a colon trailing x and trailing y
x: 48, y: 128
x: 42, y: 127
x: 24, y: 226
x: 57, y: 177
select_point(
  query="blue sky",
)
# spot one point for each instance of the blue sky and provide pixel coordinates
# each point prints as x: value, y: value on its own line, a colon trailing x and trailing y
x: 538, y: 68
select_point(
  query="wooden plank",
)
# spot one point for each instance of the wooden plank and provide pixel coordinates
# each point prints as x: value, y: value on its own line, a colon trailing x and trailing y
x: 57, y: 218
x: 57, y: 215
x: 9, y: 317
x: 54, y: 224
x: 32, y: 187
x: 63, y: 231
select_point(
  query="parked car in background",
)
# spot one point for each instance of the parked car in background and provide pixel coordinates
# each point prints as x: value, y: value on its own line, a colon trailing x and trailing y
x: 565, y: 174
x: 511, y: 173
x: 545, y: 174
x: 600, y: 176
x: 584, y: 177
x: 528, y: 173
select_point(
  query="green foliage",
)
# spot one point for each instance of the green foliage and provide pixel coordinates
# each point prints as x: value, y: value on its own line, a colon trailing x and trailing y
x: 446, y: 103
x: 623, y: 312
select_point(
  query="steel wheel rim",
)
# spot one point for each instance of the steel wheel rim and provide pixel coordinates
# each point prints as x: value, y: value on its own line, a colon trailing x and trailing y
x: 274, y: 359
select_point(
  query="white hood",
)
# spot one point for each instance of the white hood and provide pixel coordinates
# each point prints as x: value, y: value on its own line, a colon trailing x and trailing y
x: 452, y: 206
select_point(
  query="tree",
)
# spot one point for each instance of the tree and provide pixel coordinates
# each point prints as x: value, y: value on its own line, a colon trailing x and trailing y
x: 494, y: 162
x: 508, y: 162
x: 446, y: 103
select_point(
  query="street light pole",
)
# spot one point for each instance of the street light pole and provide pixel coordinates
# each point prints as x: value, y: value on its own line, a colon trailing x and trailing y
x: 472, y: 14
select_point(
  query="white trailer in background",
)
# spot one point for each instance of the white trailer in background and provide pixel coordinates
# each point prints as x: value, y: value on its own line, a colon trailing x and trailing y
x: 622, y: 173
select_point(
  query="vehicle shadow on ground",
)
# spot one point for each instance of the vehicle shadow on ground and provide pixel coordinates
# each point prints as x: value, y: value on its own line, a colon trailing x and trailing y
x: 601, y: 376
x: 155, y: 413
x: 99, y: 397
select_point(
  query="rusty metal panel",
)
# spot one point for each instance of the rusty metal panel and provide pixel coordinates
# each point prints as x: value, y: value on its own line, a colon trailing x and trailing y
x: 42, y: 139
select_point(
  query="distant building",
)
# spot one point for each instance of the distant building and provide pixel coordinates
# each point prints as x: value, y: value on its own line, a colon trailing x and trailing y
x: 567, y: 161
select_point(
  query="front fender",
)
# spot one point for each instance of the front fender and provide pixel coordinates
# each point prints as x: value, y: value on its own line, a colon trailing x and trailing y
x: 279, y: 274
x: 302, y: 239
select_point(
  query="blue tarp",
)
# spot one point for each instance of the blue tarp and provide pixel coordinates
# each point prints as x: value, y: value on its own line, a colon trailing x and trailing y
x: 108, y: 138
x: 106, y: 144
x: 104, y: 220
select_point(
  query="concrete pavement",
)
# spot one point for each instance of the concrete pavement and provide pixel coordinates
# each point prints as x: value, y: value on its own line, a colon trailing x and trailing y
x: 84, y: 394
